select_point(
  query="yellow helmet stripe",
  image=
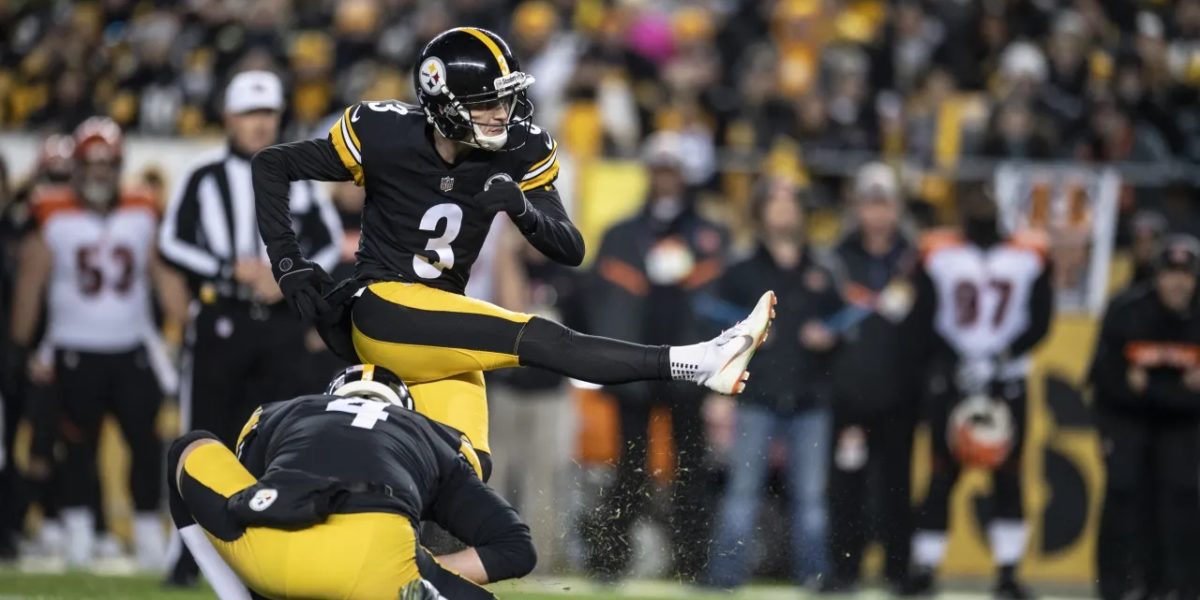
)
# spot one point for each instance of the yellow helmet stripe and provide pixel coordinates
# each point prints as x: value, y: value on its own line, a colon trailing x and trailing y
x: 491, y: 45
x: 368, y: 373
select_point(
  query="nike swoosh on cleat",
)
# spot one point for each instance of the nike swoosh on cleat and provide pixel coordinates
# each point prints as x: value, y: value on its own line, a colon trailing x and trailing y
x: 747, y: 342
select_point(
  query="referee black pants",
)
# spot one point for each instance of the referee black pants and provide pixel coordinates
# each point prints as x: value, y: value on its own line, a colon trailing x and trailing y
x: 240, y: 356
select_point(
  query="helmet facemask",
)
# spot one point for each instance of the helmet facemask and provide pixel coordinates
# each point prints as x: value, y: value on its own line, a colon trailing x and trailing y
x: 453, y: 118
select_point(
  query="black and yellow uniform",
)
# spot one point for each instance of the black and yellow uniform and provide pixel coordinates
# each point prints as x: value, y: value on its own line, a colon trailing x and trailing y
x: 422, y: 229
x: 423, y: 226
x: 327, y: 494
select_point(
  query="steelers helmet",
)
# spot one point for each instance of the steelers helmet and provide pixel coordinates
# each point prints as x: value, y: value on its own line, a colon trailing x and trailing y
x: 980, y: 432
x: 371, y: 382
x: 466, y: 68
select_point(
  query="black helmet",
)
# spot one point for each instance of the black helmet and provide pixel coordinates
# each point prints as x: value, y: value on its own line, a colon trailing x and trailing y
x: 371, y: 382
x: 1178, y: 252
x: 469, y: 67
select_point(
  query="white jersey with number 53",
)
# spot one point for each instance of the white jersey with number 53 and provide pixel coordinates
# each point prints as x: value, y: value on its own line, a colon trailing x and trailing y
x: 98, y: 297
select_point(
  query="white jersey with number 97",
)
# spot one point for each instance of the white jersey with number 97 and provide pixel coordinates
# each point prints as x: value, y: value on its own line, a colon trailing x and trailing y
x: 983, y: 294
x: 98, y: 297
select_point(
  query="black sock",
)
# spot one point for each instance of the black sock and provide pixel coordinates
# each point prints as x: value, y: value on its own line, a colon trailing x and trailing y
x: 548, y: 345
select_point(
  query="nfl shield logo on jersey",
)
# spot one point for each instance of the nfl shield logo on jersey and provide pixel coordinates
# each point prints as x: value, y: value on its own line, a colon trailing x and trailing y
x: 447, y: 183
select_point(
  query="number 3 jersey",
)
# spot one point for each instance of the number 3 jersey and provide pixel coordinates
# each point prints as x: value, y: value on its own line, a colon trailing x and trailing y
x: 98, y: 296
x: 420, y: 221
x: 985, y: 302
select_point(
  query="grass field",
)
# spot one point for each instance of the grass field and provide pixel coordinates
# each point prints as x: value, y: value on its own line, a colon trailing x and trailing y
x: 21, y: 586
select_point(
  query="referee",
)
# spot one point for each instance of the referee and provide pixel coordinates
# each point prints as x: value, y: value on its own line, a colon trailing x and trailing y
x: 242, y: 346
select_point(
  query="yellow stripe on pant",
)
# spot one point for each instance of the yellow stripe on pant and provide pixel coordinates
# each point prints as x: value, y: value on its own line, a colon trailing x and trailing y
x: 353, y: 556
x: 439, y: 343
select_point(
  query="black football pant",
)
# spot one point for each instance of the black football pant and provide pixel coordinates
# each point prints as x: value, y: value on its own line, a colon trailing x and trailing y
x: 933, y: 514
x: 607, y: 529
x: 89, y: 385
x: 869, y: 491
x: 1150, y: 523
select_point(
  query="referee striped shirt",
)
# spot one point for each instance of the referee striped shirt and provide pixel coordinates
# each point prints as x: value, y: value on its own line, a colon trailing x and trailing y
x: 210, y: 222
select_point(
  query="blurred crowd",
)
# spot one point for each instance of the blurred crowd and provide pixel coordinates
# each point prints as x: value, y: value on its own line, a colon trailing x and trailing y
x: 933, y: 80
x: 776, y: 103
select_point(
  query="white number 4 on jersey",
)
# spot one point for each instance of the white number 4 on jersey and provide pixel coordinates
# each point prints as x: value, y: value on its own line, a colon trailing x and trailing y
x: 366, y: 412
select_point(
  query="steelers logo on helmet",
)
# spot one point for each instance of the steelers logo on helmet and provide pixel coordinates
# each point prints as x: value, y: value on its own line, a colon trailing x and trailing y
x: 433, y: 75
x: 472, y: 89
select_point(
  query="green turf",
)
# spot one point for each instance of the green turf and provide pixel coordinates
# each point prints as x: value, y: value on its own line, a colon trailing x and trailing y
x: 78, y: 586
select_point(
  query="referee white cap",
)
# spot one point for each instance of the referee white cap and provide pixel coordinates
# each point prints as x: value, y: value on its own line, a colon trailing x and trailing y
x: 254, y: 90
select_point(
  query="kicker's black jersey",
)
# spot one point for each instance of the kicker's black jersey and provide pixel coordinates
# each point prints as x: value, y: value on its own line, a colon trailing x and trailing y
x: 420, y: 221
x: 358, y: 440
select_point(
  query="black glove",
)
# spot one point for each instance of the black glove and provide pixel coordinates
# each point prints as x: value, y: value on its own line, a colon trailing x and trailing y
x: 503, y: 196
x: 303, y: 284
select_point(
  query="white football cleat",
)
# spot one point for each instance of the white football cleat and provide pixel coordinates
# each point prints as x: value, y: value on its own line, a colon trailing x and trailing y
x: 722, y: 366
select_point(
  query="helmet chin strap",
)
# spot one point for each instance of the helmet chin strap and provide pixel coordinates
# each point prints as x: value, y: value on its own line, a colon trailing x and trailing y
x: 478, y: 139
x: 490, y: 142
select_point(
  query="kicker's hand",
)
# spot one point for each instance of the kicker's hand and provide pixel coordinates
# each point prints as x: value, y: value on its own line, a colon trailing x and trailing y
x: 303, y: 284
x: 503, y: 196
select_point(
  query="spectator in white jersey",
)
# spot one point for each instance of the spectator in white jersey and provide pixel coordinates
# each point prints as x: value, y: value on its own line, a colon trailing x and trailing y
x: 91, y: 262
x: 983, y: 302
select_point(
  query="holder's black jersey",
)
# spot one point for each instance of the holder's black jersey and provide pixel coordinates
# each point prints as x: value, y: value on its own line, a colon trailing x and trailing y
x: 358, y: 440
x: 421, y: 222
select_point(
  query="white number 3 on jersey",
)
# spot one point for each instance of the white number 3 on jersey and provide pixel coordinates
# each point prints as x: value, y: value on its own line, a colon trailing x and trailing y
x: 366, y: 412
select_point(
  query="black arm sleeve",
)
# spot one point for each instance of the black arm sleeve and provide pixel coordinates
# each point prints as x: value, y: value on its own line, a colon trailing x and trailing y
x: 475, y: 514
x: 546, y: 225
x: 273, y: 170
x: 320, y: 229
x: 1041, y: 307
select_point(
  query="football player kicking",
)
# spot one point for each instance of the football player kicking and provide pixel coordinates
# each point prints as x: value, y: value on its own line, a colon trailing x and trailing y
x: 435, y: 176
x: 324, y: 497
